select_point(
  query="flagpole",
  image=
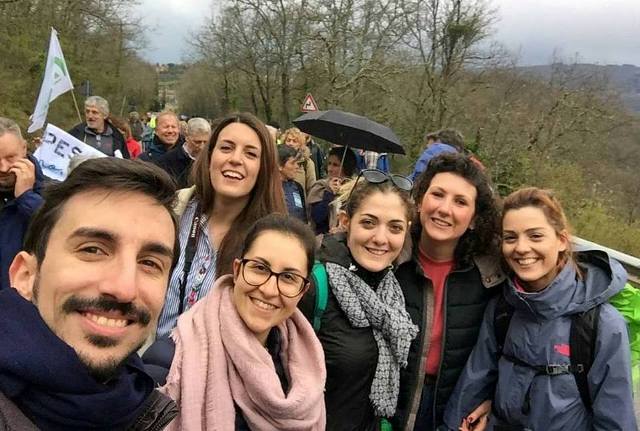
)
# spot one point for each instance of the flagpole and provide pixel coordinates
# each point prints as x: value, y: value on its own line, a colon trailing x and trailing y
x: 75, y: 102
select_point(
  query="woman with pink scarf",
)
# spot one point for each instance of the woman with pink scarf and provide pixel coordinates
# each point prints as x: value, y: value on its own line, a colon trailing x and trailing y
x: 245, y: 357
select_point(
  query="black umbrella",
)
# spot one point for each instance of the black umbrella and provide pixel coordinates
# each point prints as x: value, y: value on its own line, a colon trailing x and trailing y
x: 350, y: 130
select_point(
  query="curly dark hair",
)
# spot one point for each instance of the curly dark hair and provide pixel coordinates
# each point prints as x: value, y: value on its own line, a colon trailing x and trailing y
x: 485, y: 237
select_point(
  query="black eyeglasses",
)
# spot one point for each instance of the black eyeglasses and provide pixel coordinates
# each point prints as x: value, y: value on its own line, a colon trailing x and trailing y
x: 376, y: 176
x: 256, y: 273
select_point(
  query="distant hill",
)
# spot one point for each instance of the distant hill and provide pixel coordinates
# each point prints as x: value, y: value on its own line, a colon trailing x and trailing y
x: 624, y: 79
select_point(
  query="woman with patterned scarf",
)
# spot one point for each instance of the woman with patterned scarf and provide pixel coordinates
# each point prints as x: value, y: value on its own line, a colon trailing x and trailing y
x: 365, y: 330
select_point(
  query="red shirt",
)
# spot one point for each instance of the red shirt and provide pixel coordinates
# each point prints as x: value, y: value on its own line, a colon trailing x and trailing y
x: 437, y: 272
x: 134, y: 148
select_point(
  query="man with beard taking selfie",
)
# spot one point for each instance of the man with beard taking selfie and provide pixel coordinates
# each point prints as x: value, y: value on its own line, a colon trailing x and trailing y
x: 87, y: 292
x: 20, y: 183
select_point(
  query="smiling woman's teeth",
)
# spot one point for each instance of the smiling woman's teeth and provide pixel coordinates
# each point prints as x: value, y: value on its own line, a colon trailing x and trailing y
x: 441, y: 223
x: 103, y: 321
x: 527, y: 261
x: 376, y: 252
x: 234, y: 175
x: 262, y: 304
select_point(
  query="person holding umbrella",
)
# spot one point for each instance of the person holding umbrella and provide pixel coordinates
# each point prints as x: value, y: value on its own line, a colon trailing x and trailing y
x: 341, y: 165
x: 350, y: 130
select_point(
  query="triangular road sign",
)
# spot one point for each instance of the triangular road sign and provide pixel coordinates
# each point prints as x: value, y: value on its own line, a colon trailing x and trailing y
x: 309, y: 104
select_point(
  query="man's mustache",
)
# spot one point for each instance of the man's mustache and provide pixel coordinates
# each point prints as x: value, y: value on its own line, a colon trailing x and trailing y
x: 128, y: 310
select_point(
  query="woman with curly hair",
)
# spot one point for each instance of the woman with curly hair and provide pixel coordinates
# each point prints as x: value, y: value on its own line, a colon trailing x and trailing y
x: 453, y: 272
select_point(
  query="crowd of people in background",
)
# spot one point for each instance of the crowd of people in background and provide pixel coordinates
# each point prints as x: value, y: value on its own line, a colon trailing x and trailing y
x: 279, y: 284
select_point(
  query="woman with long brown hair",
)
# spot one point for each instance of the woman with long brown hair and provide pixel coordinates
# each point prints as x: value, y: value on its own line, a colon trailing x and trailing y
x: 236, y: 182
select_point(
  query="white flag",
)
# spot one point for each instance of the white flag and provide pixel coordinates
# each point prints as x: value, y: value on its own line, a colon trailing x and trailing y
x: 56, y: 81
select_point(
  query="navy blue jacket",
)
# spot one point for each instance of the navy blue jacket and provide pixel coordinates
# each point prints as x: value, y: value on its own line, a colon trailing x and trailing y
x: 177, y: 163
x: 294, y: 197
x: 157, y: 149
x: 15, y: 214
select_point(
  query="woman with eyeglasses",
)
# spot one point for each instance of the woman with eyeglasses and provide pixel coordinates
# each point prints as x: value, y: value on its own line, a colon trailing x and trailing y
x: 245, y: 356
x: 365, y: 330
x: 452, y: 273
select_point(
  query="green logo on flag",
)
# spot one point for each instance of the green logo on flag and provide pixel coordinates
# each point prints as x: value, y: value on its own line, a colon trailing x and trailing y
x: 56, y: 75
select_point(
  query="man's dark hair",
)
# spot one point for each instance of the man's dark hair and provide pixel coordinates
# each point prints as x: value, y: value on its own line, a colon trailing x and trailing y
x: 273, y: 124
x: 106, y: 173
x: 285, y: 153
x: 452, y: 137
x: 347, y: 158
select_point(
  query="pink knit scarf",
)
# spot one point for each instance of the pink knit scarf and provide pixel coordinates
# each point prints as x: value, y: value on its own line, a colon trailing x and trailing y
x: 219, y: 361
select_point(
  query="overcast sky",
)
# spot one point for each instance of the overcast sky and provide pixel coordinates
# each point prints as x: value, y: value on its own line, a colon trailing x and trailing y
x: 599, y: 31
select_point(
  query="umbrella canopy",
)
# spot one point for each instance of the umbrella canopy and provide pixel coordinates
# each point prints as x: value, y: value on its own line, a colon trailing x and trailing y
x: 350, y: 130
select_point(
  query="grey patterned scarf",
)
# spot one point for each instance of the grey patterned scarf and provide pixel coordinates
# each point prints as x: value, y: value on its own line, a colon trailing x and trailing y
x: 393, y: 330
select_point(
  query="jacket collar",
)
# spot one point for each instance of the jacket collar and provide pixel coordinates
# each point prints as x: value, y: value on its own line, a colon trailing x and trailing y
x: 489, y: 266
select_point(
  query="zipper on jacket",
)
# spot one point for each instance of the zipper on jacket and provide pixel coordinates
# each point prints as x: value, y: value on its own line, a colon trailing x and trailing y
x: 417, y: 387
x: 444, y: 335
x: 442, y: 344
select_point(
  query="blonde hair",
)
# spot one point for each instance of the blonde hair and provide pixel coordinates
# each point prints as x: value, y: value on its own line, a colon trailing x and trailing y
x: 296, y: 134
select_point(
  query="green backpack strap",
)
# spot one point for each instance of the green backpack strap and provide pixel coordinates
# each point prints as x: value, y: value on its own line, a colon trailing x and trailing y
x: 385, y: 425
x: 321, y: 282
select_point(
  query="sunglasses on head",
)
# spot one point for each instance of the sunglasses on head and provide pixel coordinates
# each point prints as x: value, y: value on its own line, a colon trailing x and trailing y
x: 376, y: 176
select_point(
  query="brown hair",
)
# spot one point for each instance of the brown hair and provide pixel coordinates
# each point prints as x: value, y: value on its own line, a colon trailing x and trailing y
x: 352, y: 197
x: 553, y: 212
x: 265, y: 198
x: 452, y: 137
x: 121, y: 124
x: 285, y: 225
